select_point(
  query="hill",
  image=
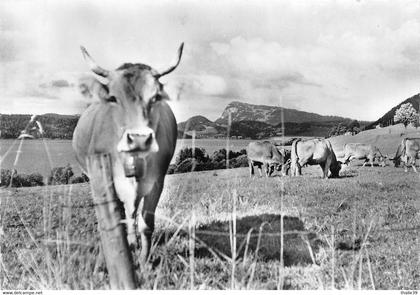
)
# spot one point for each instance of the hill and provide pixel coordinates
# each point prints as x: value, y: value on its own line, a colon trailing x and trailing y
x: 54, y: 126
x: 202, y: 126
x: 386, y: 139
x: 261, y: 121
x: 388, y: 118
x: 271, y: 115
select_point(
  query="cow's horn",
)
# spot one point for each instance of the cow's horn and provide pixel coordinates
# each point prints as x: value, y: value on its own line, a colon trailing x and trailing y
x: 92, y: 64
x: 173, y: 67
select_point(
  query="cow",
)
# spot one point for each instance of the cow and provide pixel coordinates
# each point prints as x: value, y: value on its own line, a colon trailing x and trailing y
x: 363, y: 151
x: 407, y: 153
x: 266, y: 154
x: 133, y: 123
x: 313, y: 152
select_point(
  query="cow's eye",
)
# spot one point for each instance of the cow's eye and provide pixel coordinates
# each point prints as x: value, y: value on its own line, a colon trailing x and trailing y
x: 111, y: 99
x: 156, y: 98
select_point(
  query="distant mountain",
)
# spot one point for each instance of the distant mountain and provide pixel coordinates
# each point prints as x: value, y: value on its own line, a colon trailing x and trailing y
x: 270, y: 114
x: 202, y: 126
x: 388, y: 118
x: 260, y: 121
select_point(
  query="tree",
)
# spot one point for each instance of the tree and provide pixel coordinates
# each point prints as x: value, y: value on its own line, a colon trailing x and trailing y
x: 406, y: 114
x: 353, y: 127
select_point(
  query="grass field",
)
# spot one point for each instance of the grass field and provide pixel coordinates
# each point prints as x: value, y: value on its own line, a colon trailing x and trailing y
x: 359, y: 231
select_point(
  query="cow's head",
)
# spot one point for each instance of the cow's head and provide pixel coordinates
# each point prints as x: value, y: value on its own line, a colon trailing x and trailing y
x: 396, y: 160
x: 133, y: 90
x: 382, y: 160
x: 335, y: 169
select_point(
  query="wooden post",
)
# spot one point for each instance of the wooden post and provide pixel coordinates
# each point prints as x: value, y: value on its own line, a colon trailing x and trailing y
x: 109, y: 211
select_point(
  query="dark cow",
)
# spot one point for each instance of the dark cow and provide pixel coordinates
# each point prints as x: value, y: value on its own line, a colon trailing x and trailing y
x: 313, y: 152
x: 407, y: 153
x: 266, y: 154
x: 134, y: 124
x: 363, y: 151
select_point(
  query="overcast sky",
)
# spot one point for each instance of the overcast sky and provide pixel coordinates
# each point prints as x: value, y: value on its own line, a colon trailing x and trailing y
x: 350, y: 58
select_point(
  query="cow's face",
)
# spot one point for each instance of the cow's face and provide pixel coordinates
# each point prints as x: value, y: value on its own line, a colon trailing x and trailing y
x: 397, y: 161
x: 335, y: 169
x: 132, y: 90
x: 382, y: 160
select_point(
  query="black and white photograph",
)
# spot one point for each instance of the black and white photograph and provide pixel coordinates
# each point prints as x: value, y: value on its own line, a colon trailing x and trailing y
x: 209, y: 145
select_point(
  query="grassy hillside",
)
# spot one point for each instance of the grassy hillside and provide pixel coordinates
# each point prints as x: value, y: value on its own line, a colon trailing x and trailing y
x: 359, y: 231
x: 387, y: 139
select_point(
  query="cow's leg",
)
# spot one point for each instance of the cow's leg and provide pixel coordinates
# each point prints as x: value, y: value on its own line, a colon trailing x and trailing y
x: 251, y: 168
x: 266, y: 169
x: 327, y: 167
x: 130, y: 222
x: 413, y: 164
x: 371, y: 161
x: 298, y: 169
x: 126, y: 189
x: 284, y: 170
x: 259, y: 169
x: 146, y: 221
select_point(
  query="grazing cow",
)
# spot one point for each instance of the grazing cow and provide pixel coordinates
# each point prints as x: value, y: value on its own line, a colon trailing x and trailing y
x: 265, y: 154
x: 407, y: 153
x: 134, y: 124
x: 313, y: 152
x: 363, y: 151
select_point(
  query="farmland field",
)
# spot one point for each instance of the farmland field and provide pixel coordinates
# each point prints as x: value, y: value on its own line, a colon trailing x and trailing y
x: 358, y: 231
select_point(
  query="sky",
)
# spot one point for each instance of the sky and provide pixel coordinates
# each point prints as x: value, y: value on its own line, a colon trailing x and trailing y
x: 354, y: 59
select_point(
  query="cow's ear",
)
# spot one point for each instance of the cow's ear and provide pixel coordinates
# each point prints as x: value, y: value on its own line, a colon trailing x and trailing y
x: 91, y: 88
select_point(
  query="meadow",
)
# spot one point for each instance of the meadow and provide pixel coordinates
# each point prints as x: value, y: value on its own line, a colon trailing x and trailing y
x: 220, y: 230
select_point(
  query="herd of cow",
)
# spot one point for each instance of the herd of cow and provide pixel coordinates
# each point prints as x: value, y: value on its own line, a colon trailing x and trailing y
x: 268, y: 157
x: 132, y: 122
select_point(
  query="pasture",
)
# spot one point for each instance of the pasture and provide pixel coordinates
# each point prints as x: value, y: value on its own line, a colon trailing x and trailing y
x: 359, y: 231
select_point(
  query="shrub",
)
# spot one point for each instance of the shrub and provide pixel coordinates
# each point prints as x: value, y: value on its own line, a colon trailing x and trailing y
x: 187, y: 165
x: 20, y: 180
x: 171, y: 169
x: 60, y: 175
x: 79, y: 179
x: 241, y: 161
x: 187, y: 153
x: 5, y: 176
x: 35, y: 179
x: 220, y: 155
x: 202, y: 162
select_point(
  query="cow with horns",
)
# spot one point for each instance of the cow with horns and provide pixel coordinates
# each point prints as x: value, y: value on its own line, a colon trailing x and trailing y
x: 133, y: 123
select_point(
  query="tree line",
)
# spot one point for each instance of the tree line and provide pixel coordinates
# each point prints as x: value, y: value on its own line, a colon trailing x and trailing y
x: 49, y: 126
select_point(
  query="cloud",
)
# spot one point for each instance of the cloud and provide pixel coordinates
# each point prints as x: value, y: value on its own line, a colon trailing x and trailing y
x: 56, y: 84
x: 351, y: 58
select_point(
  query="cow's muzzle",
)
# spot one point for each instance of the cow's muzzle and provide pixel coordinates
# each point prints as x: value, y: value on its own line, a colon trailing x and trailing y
x: 138, y: 141
x: 134, y: 147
